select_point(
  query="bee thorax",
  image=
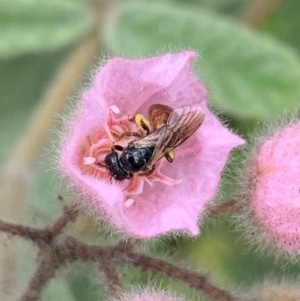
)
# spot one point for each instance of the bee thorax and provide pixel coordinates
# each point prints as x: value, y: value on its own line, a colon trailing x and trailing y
x: 136, y: 159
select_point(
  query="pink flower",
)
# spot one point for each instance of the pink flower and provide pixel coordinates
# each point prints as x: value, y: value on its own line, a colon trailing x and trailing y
x: 173, y: 196
x: 272, y: 191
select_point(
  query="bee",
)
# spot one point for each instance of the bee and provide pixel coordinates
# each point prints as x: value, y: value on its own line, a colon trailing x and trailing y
x: 170, y: 129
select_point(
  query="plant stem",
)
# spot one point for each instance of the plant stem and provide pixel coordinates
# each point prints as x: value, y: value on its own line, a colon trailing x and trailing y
x: 44, y: 272
x: 227, y: 207
x: 25, y: 232
x: 195, y: 280
x: 112, y: 279
x: 57, y: 251
x: 69, y: 215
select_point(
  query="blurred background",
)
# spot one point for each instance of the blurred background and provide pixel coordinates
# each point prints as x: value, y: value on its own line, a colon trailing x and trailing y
x: 249, y: 60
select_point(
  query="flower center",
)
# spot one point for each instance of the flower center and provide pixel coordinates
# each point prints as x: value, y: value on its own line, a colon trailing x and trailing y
x: 100, y: 142
x: 111, y: 142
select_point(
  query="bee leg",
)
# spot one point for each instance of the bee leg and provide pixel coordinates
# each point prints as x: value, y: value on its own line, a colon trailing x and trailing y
x: 130, y: 175
x: 170, y: 156
x: 145, y: 126
x: 148, y: 172
x: 142, y: 122
x: 134, y: 134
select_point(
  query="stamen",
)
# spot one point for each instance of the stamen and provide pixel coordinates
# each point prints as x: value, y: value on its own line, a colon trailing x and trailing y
x: 89, y: 160
x: 101, y: 156
x: 128, y: 203
x: 115, y: 109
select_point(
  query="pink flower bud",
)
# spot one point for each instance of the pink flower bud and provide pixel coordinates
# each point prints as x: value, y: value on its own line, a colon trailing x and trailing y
x: 169, y: 197
x: 272, y: 191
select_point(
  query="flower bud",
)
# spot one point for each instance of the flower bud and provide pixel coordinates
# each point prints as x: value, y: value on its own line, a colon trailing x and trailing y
x: 271, y: 191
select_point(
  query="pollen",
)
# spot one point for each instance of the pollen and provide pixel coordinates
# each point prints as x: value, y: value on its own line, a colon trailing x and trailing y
x: 142, y: 122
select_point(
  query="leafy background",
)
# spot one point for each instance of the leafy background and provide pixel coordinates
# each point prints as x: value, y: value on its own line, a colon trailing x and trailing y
x: 249, y: 62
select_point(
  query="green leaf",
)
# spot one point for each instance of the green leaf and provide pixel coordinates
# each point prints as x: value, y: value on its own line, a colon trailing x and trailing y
x: 248, y: 75
x: 230, y: 7
x: 31, y: 26
x: 284, y: 23
x: 57, y: 290
x: 224, y: 254
x: 83, y: 285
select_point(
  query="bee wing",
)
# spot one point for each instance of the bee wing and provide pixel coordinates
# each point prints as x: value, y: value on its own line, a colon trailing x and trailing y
x: 181, y: 124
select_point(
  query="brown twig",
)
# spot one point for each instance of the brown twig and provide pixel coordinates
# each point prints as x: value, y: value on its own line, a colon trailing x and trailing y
x: 112, y: 279
x: 44, y: 272
x: 39, y: 236
x: 258, y: 11
x: 227, y: 207
x: 29, y: 233
x: 60, y: 250
x: 69, y: 215
x: 195, y: 280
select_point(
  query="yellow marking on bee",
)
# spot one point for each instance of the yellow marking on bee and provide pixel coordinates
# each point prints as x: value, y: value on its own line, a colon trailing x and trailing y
x: 144, y: 125
x: 142, y: 122
x: 170, y: 156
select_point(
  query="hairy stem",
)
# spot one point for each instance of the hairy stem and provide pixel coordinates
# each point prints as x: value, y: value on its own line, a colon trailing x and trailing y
x: 112, y: 279
x: 227, y: 207
x: 195, y: 280
x: 44, y: 272
x: 68, y: 216
x: 57, y: 251
x: 25, y: 232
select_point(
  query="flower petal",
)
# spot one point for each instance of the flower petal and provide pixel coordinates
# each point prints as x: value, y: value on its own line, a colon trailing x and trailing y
x: 199, y: 164
x: 184, y: 90
x: 129, y: 84
x: 147, y: 219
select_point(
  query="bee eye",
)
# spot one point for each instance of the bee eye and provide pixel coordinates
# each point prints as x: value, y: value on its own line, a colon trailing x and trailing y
x: 114, y: 168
